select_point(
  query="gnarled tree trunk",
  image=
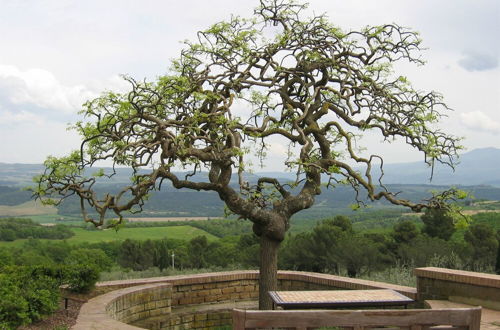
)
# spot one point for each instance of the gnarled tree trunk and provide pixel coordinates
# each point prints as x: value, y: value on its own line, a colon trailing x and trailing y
x: 268, y: 278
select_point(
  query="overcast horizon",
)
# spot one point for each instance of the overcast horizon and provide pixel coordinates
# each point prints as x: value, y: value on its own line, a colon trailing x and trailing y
x: 57, y: 54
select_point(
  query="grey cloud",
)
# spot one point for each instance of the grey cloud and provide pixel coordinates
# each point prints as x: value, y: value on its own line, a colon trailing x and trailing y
x: 478, y: 62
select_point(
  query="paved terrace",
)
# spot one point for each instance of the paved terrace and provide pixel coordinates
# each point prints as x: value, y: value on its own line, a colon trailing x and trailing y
x: 202, y: 301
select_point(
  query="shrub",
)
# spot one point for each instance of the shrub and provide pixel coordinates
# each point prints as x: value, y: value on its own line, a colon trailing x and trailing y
x: 42, y: 295
x: 13, y: 307
x: 81, y: 278
x: 95, y: 257
x: 6, y: 258
x: 29, y: 293
x: 25, y: 297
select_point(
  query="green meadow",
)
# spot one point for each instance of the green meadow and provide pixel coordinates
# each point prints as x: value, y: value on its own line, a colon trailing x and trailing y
x: 94, y: 236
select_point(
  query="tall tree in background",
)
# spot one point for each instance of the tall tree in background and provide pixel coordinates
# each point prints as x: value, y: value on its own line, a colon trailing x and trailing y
x: 277, y: 77
x: 497, y: 263
x: 438, y: 223
x: 483, y: 243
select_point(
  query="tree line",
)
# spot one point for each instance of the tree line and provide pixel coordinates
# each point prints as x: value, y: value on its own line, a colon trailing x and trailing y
x: 15, y: 228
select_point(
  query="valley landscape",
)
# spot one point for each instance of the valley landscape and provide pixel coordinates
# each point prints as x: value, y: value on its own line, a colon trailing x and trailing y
x: 284, y: 155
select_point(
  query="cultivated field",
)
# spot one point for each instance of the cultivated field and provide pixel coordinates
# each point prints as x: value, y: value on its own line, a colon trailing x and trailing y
x: 27, y: 209
x: 107, y: 235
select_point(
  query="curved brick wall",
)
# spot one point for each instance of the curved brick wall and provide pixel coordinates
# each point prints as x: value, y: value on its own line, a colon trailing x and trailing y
x: 130, y: 305
x: 460, y: 286
x: 198, y: 301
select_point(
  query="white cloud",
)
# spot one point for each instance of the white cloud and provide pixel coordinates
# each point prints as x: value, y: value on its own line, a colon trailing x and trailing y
x: 40, y: 88
x: 477, y: 120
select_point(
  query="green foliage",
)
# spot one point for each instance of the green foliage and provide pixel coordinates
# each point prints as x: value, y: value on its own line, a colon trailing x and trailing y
x: 397, y: 273
x: 16, y: 228
x: 341, y: 221
x: 331, y: 246
x: 438, y: 223
x: 421, y: 250
x: 223, y: 253
x: 78, y: 278
x: 490, y: 218
x: 82, y: 278
x: 133, y: 255
x: 94, y: 257
x: 358, y: 254
x: 161, y: 256
x: 248, y: 247
x: 404, y: 232
x: 6, y: 258
x: 497, y: 263
x: 197, y: 250
x: 483, y: 243
x: 13, y: 306
x: 26, y: 295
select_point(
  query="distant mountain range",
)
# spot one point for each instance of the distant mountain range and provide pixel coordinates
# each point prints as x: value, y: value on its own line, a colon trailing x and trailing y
x: 476, y: 167
x: 478, y: 173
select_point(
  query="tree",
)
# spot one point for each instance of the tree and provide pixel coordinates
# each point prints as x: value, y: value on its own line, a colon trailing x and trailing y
x: 136, y: 255
x: 404, y: 232
x: 358, y: 254
x: 94, y: 257
x: 484, y: 244
x: 343, y: 222
x: 315, y: 250
x: 277, y: 77
x: 324, y: 241
x: 161, y: 255
x: 438, y: 223
x: 197, y: 251
x: 497, y: 263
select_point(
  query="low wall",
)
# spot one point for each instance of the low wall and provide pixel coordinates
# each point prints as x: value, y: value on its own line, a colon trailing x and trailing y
x: 115, y: 309
x: 202, y: 300
x: 460, y: 286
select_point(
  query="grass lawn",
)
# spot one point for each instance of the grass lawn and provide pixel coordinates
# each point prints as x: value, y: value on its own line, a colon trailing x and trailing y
x: 82, y: 235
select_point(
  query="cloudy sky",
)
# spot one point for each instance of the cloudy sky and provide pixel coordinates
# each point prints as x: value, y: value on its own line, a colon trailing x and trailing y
x: 55, y: 54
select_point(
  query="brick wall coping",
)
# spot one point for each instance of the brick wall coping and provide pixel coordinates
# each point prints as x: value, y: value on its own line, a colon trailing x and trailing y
x: 93, y: 313
x: 317, y: 278
x: 459, y: 276
x: 185, y: 279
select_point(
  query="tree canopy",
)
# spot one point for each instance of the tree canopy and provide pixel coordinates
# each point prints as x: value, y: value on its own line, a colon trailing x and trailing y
x: 241, y: 84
